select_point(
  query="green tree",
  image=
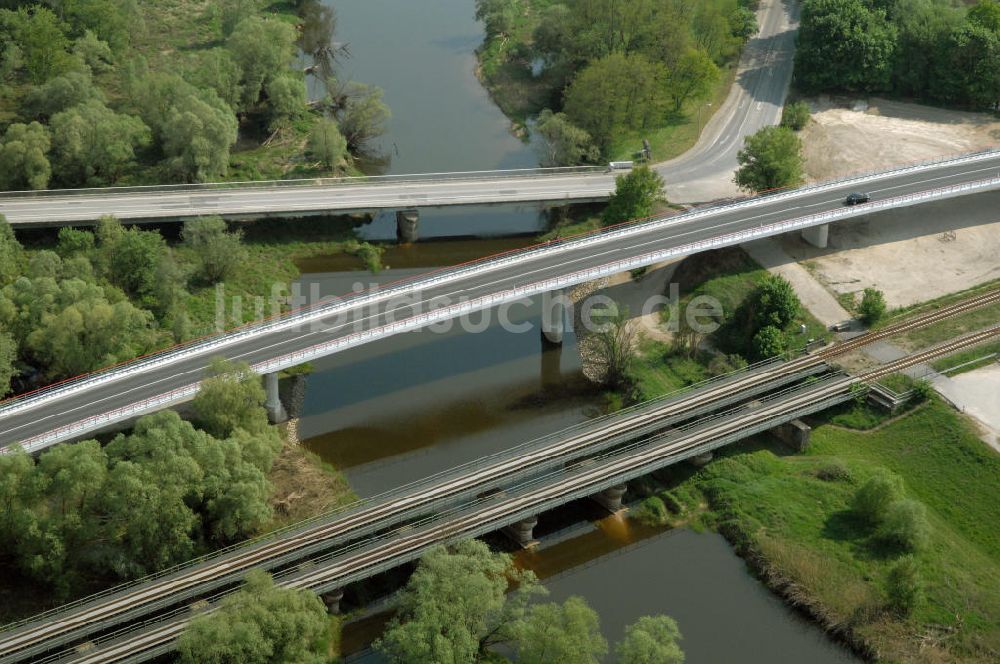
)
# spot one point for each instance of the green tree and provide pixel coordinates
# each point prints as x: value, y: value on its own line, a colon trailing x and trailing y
x: 651, y: 640
x: 567, y: 633
x: 219, y: 251
x: 363, y: 116
x: 130, y: 260
x: 776, y: 302
x: 986, y: 13
x: 94, y: 53
x: 455, y: 606
x: 11, y: 252
x: 844, y: 45
x: 231, y: 12
x: 90, y: 334
x: 692, y: 77
x: 286, y: 100
x: 73, y: 241
x: 215, y: 69
x: 327, y: 144
x: 636, y: 195
x: 60, y: 93
x: 92, y: 145
x: 971, y: 68
x: 872, y: 499
x: 231, y: 397
x: 194, y: 127
x: 924, y: 28
x: 262, y: 48
x: 795, y: 116
x: 768, y: 342
x: 615, y: 93
x: 41, y: 40
x: 19, y: 488
x: 8, y: 359
x: 24, y: 162
x: 148, y: 520
x: 904, y: 586
x: 744, y: 23
x: 770, y: 159
x: 197, y: 135
x: 74, y: 474
x: 260, y: 624
x: 905, y: 525
x: 872, y: 307
x: 564, y: 144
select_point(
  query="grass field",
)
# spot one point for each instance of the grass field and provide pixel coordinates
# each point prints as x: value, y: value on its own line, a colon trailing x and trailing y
x: 798, y: 532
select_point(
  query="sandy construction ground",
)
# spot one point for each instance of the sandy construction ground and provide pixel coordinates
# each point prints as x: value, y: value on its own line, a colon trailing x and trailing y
x: 882, y: 133
x: 911, y: 254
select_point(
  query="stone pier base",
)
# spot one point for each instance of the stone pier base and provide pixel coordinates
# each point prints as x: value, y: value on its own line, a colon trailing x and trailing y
x: 611, y: 498
x: 407, y: 225
x: 795, y: 433
x: 332, y: 601
x: 701, y: 459
x: 522, y: 532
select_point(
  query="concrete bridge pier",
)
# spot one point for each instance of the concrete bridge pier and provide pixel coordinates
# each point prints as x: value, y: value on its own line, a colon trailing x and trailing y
x: 275, y: 410
x: 817, y: 236
x: 611, y: 498
x: 795, y: 434
x: 522, y: 532
x: 555, y: 308
x: 701, y: 459
x: 332, y: 601
x: 407, y: 223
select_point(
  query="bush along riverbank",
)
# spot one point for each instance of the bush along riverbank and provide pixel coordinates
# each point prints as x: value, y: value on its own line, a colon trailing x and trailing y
x: 884, y: 537
x: 596, y: 78
x: 882, y: 530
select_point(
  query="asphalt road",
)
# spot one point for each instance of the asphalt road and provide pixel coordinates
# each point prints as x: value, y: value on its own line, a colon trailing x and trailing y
x: 534, y: 267
x: 703, y: 173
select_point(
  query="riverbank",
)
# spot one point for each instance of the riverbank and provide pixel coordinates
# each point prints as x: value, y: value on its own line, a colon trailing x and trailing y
x: 788, y: 515
x: 529, y: 62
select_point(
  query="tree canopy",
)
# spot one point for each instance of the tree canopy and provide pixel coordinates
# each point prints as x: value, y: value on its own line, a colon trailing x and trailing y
x: 770, y: 159
x: 260, y: 624
x: 636, y: 195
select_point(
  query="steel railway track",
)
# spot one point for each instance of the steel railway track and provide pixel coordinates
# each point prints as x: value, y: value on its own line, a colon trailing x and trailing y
x: 28, y: 642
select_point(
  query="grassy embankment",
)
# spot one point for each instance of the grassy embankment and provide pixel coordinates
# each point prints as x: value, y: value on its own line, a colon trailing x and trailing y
x: 729, y: 276
x: 789, y: 517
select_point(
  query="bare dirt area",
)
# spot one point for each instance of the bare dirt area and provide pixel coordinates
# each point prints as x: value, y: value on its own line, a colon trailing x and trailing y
x: 882, y: 133
x: 304, y: 486
x: 910, y: 255
x: 913, y: 254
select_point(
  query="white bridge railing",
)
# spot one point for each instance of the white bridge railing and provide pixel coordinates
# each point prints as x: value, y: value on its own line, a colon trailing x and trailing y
x: 316, y: 183
x: 484, y: 302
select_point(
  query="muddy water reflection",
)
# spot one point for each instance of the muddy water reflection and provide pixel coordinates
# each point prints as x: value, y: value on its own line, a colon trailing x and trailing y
x: 626, y: 571
x: 395, y: 411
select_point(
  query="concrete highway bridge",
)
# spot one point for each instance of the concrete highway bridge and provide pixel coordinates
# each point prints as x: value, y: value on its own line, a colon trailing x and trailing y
x: 89, y: 403
x: 507, y: 491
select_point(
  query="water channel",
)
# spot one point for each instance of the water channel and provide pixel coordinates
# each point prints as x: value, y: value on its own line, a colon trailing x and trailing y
x: 405, y: 407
